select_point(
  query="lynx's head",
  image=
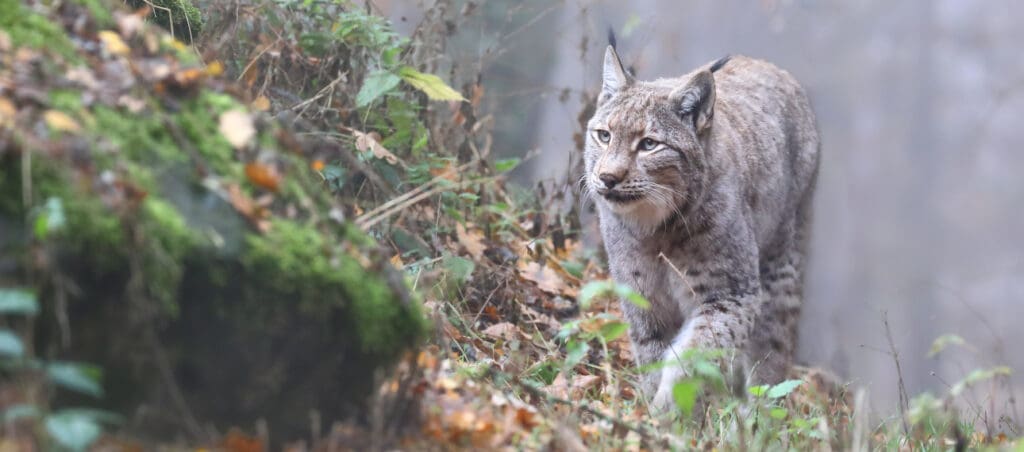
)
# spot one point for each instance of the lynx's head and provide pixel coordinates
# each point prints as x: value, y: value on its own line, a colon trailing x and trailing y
x: 645, y: 144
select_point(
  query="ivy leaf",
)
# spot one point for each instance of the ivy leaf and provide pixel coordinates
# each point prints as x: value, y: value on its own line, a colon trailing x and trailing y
x: 575, y: 351
x: 76, y: 377
x: 10, y: 344
x: 17, y: 412
x: 758, y: 391
x: 18, y: 301
x: 685, y: 394
x: 778, y: 413
x: 593, y: 290
x: 374, y: 86
x: 459, y: 268
x: 505, y: 165
x: 50, y: 218
x: 431, y: 85
x: 613, y: 330
x: 73, y: 430
x: 783, y: 389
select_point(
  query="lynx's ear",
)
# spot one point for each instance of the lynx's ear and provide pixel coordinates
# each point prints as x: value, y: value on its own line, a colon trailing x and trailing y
x: 696, y: 99
x: 615, y: 77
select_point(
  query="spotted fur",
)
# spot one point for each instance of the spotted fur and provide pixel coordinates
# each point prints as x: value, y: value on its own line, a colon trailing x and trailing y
x: 710, y: 224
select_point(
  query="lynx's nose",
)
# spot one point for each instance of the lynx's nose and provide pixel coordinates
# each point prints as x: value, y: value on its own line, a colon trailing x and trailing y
x: 610, y: 180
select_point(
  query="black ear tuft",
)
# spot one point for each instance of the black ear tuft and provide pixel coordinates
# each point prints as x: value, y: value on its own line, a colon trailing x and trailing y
x: 718, y: 64
x: 611, y: 37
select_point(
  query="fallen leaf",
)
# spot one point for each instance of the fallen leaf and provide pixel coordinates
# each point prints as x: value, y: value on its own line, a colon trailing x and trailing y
x: 263, y: 175
x: 113, y: 42
x: 472, y: 240
x: 245, y: 206
x: 7, y: 111
x: 236, y: 126
x: 503, y: 330
x: 186, y: 78
x: 129, y: 24
x: 215, y: 68
x: 371, y: 142
x: 58, y: 120
x: 546, y: 278
x: 237, y: 441
x: 261, y: 103
x: 396, y: 261
x: 582, y: 383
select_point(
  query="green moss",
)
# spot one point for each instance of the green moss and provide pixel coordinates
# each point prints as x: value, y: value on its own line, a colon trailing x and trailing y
x: 27, y: 28
x: 167, y: 239
x: 178, y: 16
x: 100, y: 11
x: 142, y: 137
x: 299, y: 264
x: 198, y: 120
x: 67, y: 100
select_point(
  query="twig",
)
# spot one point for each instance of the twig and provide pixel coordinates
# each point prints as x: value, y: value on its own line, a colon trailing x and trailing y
x: 587, y: 409
x: 904, y: 403
x: 693, y: 293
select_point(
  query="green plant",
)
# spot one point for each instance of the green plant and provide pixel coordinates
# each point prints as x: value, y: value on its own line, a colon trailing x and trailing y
x: 64, y: 428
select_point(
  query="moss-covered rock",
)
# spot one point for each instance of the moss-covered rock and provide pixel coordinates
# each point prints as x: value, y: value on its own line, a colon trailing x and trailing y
x: 263, y: 306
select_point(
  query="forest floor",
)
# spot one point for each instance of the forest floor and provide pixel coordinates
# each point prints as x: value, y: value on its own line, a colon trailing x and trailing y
x: 527, y: 348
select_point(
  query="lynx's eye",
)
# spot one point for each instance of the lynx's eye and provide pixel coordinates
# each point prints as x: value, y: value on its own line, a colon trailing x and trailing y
x: 603, y: 136
x: 648, y: 144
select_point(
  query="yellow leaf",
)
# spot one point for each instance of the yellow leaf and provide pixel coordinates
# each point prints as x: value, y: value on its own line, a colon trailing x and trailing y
x: 237, y: 128
x: 215, y: 68
x: 58, y: 120
x: 113, y: 42
x: 261, y: 104
x: 432, y: 85
x: 7, y: 111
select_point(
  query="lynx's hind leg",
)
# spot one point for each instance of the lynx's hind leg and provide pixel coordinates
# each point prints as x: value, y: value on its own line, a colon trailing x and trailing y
x: 773, y: 342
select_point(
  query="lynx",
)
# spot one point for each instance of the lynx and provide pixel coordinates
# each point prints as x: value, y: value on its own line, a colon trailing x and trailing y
x: 703, y: 188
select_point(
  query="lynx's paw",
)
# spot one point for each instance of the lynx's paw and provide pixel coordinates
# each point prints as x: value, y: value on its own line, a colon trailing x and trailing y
x: 663, y: 400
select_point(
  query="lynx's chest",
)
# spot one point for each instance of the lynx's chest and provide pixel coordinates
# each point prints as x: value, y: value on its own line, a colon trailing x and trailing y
x: 659, y: 274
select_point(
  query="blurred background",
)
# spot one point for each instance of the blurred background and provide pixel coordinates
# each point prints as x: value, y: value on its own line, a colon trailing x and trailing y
x: 918, y: 215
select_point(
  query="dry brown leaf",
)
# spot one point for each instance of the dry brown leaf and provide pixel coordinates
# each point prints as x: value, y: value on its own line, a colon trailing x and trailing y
x: 58, y: 120
x: 263, y: 175
x: 582, y: 383
x: 546, y: 278
x: 472, y: 240
x: 503, y: 330
x: 236, y: 126
x: 7, y: 111
x: 261, y: 103
x: 559, y: 387
x: 371, y: 142
x: 113, y: 42
x: 396, y: 261
x: 245, y: 205
x: 129, y: 24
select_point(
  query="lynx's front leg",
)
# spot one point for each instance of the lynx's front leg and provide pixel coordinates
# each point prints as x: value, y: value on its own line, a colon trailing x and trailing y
x: 728, y: 301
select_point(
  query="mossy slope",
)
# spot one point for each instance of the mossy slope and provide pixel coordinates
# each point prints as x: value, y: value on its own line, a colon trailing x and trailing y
x: 249, y: 285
